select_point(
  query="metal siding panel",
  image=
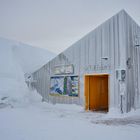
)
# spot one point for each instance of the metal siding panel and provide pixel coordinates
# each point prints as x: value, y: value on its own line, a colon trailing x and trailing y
x: 112, y: 81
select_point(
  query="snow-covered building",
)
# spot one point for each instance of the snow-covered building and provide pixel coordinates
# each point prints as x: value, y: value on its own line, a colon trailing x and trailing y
x: 100, y: 71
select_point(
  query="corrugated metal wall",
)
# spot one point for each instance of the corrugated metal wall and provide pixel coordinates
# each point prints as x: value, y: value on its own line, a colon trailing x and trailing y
x: 112, y: 40
x: 133, y: 58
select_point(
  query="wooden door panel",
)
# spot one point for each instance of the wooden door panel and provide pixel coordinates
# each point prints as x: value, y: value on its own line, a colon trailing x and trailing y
x: 93, y: 90
x: 86, y: 92
x: 103, y: 95
x: 96, y: 93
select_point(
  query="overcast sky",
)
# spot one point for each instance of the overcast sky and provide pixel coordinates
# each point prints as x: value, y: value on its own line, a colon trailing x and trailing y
x: 57, y: 24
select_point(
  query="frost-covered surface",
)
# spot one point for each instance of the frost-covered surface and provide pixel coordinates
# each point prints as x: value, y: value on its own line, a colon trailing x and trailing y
x: 43, y: 121
x: 24, y: 117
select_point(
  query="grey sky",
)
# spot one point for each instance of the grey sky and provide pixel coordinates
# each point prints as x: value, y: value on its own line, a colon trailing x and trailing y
x: 56, y: 24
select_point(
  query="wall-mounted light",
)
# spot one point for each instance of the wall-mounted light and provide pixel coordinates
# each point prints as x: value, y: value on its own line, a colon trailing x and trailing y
x: 104, y: 58
x: 137, y: 45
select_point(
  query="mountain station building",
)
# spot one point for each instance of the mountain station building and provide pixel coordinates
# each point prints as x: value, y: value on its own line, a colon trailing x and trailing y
x: 100, y: 71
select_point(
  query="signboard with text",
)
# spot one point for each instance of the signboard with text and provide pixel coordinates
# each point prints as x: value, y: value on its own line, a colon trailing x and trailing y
x: 64, y: 69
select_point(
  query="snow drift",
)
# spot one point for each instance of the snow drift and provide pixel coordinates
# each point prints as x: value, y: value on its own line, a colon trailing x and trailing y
x: 16, y: 59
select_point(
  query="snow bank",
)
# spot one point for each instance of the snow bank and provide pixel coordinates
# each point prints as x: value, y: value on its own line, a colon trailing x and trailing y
x: 30, y: 58
x: 15, y: 60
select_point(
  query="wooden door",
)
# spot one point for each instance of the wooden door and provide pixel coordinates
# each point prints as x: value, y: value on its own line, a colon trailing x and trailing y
x: 96, y: 92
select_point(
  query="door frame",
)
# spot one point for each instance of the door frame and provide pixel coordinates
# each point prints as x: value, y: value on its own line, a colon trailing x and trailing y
x: 86, y: 88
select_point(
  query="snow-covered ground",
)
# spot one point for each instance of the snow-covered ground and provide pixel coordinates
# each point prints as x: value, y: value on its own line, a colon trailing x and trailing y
x: 43, y: 121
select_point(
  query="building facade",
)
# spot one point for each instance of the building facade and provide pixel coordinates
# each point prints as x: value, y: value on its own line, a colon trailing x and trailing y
x: 100, y: 71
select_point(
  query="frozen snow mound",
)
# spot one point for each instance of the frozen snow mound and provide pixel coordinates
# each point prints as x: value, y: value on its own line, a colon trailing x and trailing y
x: 16, y: 59
x: 30, y: 58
